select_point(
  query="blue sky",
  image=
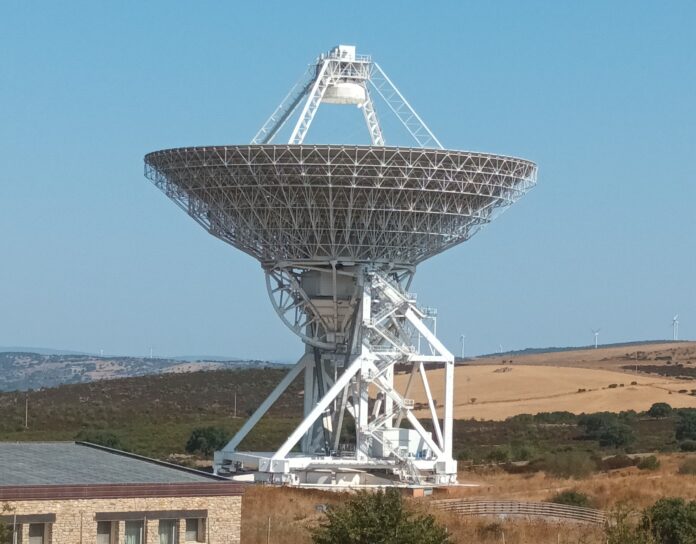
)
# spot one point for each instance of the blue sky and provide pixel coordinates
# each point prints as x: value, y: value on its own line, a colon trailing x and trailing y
x: 599, y: 94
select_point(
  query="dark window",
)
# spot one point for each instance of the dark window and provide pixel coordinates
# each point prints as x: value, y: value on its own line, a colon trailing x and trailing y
x: 168, y: 531
x: 195, y: 530
x: 134, y: 532
x: 36, y: 533
x: 104, y: 530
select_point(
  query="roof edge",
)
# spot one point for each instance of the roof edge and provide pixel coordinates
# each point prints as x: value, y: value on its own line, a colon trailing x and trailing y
x: 120, y: 491
x: 159, y: 462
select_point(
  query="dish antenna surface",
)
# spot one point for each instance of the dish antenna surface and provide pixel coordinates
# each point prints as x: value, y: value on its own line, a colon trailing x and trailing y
x: 339, y: 230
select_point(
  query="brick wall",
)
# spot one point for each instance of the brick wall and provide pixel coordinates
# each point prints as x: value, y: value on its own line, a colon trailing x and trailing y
x: 75, y: 518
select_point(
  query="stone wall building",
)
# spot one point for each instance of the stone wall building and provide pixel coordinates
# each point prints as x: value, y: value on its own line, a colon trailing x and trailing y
x: 76, y: 493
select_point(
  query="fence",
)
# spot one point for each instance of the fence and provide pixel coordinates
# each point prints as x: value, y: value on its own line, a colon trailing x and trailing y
x: 545, y: 510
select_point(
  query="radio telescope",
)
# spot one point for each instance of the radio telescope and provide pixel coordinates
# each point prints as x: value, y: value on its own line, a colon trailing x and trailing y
x: 339, y: 231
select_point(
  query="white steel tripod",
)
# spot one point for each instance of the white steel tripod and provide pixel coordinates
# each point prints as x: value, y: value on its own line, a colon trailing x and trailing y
x: 358, y: 322
x: 347, y: 359
x: 342, y: 77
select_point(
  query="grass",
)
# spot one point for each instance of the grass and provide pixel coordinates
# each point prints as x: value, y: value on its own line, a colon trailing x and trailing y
x: 292, y: 511
x: 154, y: 415
x: 688, y: 467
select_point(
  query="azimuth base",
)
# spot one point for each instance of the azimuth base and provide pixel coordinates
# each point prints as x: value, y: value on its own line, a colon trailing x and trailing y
x: 358, y: 322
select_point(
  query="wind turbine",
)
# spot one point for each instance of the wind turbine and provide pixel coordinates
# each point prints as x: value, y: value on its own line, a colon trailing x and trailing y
x: 462, y: 338
x: 596, y: 336
x: 675, y: 327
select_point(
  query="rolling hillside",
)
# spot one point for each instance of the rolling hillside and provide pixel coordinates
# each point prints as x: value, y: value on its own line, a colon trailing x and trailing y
x: 27, y: 370
x: 590, y: 380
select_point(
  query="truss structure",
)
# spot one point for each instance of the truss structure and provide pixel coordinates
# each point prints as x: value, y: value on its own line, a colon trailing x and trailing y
x: 342, y: 70
x: 339, y: 231
x: 342, y: 203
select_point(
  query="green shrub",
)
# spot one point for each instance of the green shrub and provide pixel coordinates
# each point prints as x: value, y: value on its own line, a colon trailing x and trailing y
x: 688, y: 445
x: 610, y: 429
x: 555, y: 418
x: 571, y: 497
x: 498, y: 455
x: 621, y: 528
x: 660, y: 410
x: 649, y: 463
x: 521, y: 419
x: 522, y: 451
x: 616, y: 435
x: 206, y: 440
x: 618, y: 461
x: 464, y: 456
x: 5, y: 529
x: 493, y: 529
x: 378, y: 517
x: 569, y: 464
x: 671, y: 521
x: 688, y: 467
x: 101, y: 438
x: 686, y: 426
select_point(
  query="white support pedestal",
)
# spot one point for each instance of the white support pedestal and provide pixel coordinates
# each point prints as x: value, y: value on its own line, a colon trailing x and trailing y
x: 377, y: 321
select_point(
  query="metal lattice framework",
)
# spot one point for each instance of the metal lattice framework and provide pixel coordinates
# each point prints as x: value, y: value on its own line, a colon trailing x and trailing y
x: 327, y: 203
x: 339, y: 231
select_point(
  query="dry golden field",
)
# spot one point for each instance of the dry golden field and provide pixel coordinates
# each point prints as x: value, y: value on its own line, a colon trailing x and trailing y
x: 292, y: 512
x: 495, y: 388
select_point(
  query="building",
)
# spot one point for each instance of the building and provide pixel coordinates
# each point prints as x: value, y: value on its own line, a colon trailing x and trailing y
x: 78, y: 493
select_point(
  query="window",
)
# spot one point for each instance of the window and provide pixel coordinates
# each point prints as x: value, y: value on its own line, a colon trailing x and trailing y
x: 195, y: 530
x: 104, y: 532
x: 168, y: 531
x: 133, y: 532
x: 36, y: 533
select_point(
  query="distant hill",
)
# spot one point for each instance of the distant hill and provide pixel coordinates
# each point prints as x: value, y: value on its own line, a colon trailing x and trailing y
x: 21, y: 370
x: 555, y: 349
x: 40, y: 351
x: 154, y: 415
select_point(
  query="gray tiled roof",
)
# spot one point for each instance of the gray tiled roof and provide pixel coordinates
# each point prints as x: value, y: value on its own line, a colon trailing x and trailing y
x: 68, y: 463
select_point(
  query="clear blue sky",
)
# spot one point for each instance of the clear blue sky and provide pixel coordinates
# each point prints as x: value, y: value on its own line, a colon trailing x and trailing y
x: 600, y: 94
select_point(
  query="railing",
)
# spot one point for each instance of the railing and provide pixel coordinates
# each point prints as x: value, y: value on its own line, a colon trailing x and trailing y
x: 545, y: 510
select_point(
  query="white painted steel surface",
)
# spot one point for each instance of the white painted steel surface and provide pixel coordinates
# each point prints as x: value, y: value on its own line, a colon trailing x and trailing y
x: 339, y: 230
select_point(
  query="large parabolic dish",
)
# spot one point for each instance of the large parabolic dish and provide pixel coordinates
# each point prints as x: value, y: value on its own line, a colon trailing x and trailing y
x: 339, y: 230
x: 328, y: 203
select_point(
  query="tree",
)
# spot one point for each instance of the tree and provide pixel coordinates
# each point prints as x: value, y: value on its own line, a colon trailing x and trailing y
x: 571, y: 497
x: 686, y: 426
x: 5, y: 533
x: 660, y: 410
x: 594, y: 424
x: 378, y: 518
x: 671, y: 521
x: 569, y: 464
x: 622, y: 529
x: 616, y: 435
x: 206, y: 440
x: 610, y: 429
x: 5, y: 530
